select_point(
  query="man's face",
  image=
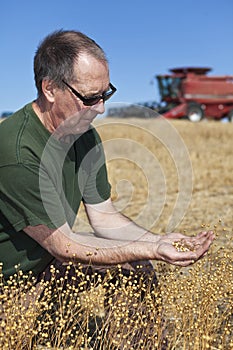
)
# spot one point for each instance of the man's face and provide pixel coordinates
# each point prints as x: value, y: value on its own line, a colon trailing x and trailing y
x: 70, y: 114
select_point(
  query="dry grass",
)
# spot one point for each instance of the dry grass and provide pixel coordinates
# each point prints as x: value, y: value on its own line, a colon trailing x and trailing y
x: 192, y: 308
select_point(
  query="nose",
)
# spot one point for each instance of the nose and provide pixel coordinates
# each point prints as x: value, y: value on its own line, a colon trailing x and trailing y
x: 99, y: 107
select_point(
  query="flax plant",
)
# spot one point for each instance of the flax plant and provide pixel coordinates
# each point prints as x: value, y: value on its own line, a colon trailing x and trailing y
x: 190, y: 308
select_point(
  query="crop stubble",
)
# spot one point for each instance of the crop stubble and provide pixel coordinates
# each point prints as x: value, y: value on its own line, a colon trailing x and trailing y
x: 210, y: 147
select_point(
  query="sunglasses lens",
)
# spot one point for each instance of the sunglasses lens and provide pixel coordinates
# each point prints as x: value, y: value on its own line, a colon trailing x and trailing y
x: 94, y: 100
x: 91, y: 101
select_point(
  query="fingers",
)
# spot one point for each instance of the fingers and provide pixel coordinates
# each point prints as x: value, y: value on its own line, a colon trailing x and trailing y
x: 183, y: 263
x: 202, y: 240
x: 196, y: 248
x: 201, y: 235
x: 205, y: 234
x: 203, y: 246
x: 182, y: 250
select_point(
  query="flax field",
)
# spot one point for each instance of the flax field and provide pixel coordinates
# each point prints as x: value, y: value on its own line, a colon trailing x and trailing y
x: 166, y: 176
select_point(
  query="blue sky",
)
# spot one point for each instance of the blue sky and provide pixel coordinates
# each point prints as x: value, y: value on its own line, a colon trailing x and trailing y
x: 141, y: 39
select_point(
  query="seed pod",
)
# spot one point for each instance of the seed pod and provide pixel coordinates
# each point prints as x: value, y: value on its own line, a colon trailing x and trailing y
x: 183, y: 246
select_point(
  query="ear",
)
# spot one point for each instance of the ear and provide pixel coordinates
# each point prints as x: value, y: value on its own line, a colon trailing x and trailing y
x: 48, y: 88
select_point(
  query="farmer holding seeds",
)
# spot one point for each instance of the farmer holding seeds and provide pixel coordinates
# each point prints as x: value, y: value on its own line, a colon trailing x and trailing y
x: 52, y: 159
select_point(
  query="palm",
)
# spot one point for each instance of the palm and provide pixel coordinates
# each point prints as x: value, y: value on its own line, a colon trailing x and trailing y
x: 169, y: 253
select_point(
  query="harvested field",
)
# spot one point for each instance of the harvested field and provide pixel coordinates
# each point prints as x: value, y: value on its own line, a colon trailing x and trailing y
x: 171, y: 175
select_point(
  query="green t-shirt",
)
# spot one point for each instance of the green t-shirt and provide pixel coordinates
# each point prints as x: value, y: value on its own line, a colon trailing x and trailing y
x: 43, y: 181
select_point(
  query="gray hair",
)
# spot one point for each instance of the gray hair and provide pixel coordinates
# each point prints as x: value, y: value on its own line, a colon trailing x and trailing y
x: 57, y: 53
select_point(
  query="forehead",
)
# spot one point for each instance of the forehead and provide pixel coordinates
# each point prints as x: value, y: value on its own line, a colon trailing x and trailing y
x: 91, y: 73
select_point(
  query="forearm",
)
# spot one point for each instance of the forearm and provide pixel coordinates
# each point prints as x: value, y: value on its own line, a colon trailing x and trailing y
x: 124, y: 229
x: 101, y: 251
x: 65, y: 245
x: 111, y: 224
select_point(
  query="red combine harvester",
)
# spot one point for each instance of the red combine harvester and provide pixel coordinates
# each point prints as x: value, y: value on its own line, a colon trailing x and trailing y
x: 189, y: 92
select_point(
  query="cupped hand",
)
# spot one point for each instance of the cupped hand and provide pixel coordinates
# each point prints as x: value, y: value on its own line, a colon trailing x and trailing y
x: 194, y: 247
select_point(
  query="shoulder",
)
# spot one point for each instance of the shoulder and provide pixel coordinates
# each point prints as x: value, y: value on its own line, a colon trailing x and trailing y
x: 20, y: 136
x: 10, y: 131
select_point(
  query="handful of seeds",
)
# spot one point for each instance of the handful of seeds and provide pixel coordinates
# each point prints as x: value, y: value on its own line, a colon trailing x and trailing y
x: 183, y: 246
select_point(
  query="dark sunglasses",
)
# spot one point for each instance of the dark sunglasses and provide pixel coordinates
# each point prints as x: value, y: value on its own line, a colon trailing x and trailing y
x: 92, y: 100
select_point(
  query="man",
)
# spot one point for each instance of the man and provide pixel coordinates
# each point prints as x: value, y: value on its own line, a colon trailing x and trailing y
x: 52, y: 159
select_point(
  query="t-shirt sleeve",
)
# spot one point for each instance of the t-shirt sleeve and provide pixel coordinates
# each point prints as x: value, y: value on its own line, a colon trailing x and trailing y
x: 22, y: 202
x: 97, y: 188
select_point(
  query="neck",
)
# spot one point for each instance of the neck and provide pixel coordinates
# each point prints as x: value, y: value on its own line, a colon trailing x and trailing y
x: 43, y: 113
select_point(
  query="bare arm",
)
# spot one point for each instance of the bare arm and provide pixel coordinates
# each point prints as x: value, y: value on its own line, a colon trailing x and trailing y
x: 108, y: 223
x: 116, y: 239
x: 66, y: 245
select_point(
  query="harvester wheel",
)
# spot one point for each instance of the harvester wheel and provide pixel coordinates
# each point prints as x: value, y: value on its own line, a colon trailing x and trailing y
x: 194, y: 112
x: 230, y: 116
